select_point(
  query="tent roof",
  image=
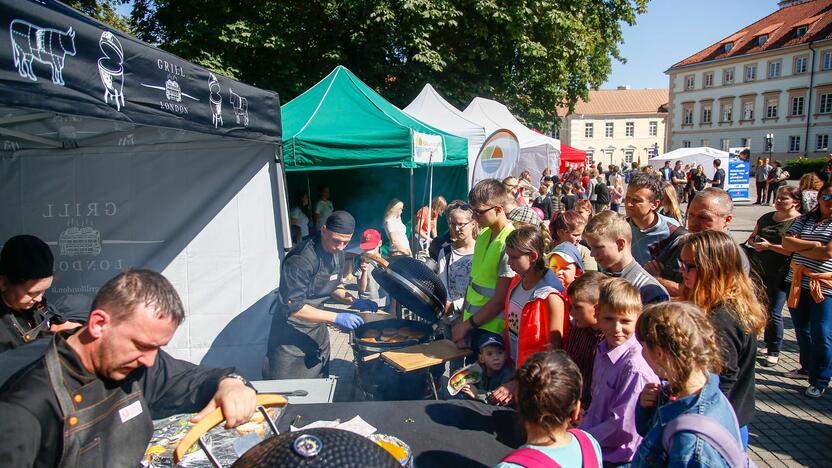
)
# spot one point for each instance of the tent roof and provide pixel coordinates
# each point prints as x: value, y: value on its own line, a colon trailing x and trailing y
x: 570, y: 154
x: 430, y: 107
x: 342, y: 123
x: 86, y: 69
x: 702, y: 151
x: 493, y: 116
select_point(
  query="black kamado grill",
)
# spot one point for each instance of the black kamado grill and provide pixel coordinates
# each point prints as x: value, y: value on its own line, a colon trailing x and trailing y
x: 415, y: 286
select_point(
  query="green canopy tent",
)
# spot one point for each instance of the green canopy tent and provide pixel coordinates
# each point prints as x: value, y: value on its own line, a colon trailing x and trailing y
x: 342, y: 134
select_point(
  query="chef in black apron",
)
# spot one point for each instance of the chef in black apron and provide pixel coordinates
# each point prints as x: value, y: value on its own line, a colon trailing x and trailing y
x: 25, y: 274
x: 310, y: 275
x: 89, y: 399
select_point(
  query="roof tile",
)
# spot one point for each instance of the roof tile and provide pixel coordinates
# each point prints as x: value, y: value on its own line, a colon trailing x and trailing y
x: 621, y: 101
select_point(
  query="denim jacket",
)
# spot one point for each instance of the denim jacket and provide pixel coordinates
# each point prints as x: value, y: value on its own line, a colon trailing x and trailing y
x: 687, y: 448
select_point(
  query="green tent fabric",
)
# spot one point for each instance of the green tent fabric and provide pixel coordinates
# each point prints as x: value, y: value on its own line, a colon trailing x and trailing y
x: 341, y: 123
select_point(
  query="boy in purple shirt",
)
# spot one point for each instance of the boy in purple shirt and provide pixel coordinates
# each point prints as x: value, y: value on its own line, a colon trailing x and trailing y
x: 619, y: 374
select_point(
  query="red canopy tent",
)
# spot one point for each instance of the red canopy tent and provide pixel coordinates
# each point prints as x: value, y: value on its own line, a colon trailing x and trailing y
x: 571, y: 158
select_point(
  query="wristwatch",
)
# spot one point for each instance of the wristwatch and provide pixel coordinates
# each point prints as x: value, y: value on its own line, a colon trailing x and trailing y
x: 239, y: 377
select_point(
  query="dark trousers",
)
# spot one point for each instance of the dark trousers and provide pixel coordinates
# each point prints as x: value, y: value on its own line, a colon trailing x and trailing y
x: 761, y: 191
x: 813, y: 328
x: 773, y: 335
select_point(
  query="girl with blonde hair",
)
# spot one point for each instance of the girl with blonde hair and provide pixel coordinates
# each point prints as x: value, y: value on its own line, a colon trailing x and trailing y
x: 395, y: 229
x: 713, y: 278
x: 670, y: 202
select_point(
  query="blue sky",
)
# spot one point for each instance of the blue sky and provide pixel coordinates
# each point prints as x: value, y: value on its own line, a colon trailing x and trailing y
x: 674, y: 29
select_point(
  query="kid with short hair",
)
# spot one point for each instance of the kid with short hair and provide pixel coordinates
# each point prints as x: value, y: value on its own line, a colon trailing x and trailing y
x: 680, y: 344
x: 548, y: 401
x: 619, y: 374
x: 569, y: 199
x: 496, y: 367
x: 584, y: 337
x: 610, y: 238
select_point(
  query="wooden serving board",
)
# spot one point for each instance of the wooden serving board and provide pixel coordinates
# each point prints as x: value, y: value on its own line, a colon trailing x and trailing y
x: 424, y: 355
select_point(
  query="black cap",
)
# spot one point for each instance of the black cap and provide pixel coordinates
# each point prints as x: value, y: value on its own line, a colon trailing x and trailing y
x: 341, y: 222
x: 26, y: 257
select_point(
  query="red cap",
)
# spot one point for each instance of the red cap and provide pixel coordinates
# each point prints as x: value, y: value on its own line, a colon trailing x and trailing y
x: 370, y: 239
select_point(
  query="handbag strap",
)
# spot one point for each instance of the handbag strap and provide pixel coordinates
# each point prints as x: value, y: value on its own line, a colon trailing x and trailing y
x: 530, y: 458
x: 712, y: 432
x: 588, y: 454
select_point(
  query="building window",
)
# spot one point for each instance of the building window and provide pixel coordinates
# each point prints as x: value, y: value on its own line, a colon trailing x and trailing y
x: 725, y: 143
x: 628, y: 156
x: 706, y: 114
x: 822, y: 142
x: 771, y: 108
x: 774, y: 69
x: 825, y: 103
x: 728, y: 76
x: 690, y: 82
x: 800, y: 31
x: 745, y: 142
x: 686, y: 144
x: 654, y: 128
x: 750, y: 72
x: 827, y: 60
x: 608, y: 127
x: 729, y: 46
x: 762, y: 39
x: 727, y: 112
x: 629, y: 129
x: 708, y: 79
x: 801, y: 64
x: 794, y: 143
x: 797, y: 105
x: 589, y: 130
x: 688, y: 116
x: 748, y: 110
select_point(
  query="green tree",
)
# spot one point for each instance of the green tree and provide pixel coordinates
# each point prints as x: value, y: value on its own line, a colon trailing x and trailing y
x: 532, y: 55
x: 104, y: 11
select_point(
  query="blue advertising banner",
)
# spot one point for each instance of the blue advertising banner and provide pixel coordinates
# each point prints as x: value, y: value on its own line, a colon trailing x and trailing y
x: 738, y: 172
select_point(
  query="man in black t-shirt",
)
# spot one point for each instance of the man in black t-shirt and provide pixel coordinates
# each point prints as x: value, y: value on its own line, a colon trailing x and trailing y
x: 719, y: 176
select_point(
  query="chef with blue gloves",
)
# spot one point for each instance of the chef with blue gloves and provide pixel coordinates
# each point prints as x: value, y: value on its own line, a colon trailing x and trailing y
x: 310, y: 275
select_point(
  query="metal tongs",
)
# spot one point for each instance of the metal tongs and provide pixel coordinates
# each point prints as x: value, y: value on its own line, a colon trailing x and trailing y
x: 197, y: 433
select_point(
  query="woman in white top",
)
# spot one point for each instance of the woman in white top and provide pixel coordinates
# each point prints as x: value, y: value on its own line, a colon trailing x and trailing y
x: 455, y: 259
x: 299, y: 214
x: 395, y: 228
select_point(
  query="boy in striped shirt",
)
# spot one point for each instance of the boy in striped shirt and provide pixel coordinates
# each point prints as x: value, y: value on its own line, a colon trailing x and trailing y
x: 610, y: 238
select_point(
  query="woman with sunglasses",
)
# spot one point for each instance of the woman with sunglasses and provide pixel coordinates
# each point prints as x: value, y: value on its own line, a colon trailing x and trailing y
x: 770, y: 262
x: 810, y: 292
x: 714, y: 279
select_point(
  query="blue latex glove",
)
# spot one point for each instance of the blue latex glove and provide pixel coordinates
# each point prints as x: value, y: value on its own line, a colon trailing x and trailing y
x: 364, y: 304
x: 348, y: 321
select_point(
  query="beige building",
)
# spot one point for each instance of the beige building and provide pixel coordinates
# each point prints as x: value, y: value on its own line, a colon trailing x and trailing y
x: 618, y: 126
x: 772, y: 77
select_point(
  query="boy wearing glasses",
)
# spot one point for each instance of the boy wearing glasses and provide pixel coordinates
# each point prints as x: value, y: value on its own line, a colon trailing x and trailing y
x: 609, y: 237
x: 490, y: 273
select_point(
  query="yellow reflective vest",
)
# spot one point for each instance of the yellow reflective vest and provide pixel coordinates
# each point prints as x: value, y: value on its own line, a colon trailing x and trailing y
x: 484, y: 274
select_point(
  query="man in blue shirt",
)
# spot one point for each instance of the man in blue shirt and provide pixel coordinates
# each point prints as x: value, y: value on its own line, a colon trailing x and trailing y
x: 644, y: 195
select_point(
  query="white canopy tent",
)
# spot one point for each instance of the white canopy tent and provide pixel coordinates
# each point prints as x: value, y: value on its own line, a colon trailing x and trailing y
x: 702, y: 155
x: 537, y: 151
x: 430, y: 107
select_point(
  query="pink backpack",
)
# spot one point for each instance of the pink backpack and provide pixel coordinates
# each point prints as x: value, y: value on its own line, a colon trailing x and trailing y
x: 533, y: 458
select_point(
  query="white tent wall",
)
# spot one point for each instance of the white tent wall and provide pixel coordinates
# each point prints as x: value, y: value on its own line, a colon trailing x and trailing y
x: 204, y: 210
x: 702, y: 155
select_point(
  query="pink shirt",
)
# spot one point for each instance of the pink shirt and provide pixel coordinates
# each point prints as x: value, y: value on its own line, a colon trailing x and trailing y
x: 618, y: 376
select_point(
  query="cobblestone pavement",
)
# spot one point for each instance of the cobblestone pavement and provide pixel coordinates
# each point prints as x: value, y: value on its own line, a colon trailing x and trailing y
x: 788, y: 429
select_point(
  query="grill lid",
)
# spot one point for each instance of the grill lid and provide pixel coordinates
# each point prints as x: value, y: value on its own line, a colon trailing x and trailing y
x: 413, y: 284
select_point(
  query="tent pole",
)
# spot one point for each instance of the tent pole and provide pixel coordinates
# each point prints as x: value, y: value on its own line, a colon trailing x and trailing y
x: 430, y: 192
x: 412, y: 220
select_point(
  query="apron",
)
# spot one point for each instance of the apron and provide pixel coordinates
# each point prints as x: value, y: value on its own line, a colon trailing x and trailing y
x: 300, y: 349
x: 100, y: 427
x: 24, y: 331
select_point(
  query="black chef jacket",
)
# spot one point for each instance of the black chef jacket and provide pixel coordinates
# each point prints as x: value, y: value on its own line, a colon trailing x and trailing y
x: 10, y: 337
x: 31, y: 423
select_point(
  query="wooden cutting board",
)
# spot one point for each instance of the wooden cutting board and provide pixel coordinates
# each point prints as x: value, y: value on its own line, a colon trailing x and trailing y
x: 424, y: 355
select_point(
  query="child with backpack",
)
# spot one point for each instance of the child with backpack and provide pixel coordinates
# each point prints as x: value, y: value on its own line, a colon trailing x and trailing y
x: 686, y: 420
x: 548, y: 402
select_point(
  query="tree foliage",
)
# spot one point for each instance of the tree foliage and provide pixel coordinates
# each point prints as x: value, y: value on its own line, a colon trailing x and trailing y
x: 532, y: 55
x: 104, y: 11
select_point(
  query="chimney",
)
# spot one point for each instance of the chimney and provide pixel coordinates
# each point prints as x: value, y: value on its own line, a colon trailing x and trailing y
x: 624, y: 87
x: 789, y: 3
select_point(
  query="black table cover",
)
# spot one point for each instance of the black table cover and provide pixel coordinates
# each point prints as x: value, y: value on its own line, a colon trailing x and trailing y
x: 455, y: 433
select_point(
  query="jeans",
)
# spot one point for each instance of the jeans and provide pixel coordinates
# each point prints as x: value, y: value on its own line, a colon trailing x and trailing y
x: 744, y: 437
x: 813, y: 328
x: 773, y: 335
x: 761, y: 191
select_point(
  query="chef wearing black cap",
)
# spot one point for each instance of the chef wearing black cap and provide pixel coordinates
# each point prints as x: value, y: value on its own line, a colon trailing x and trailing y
x: 310, y: 275
x: 25, y: 274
